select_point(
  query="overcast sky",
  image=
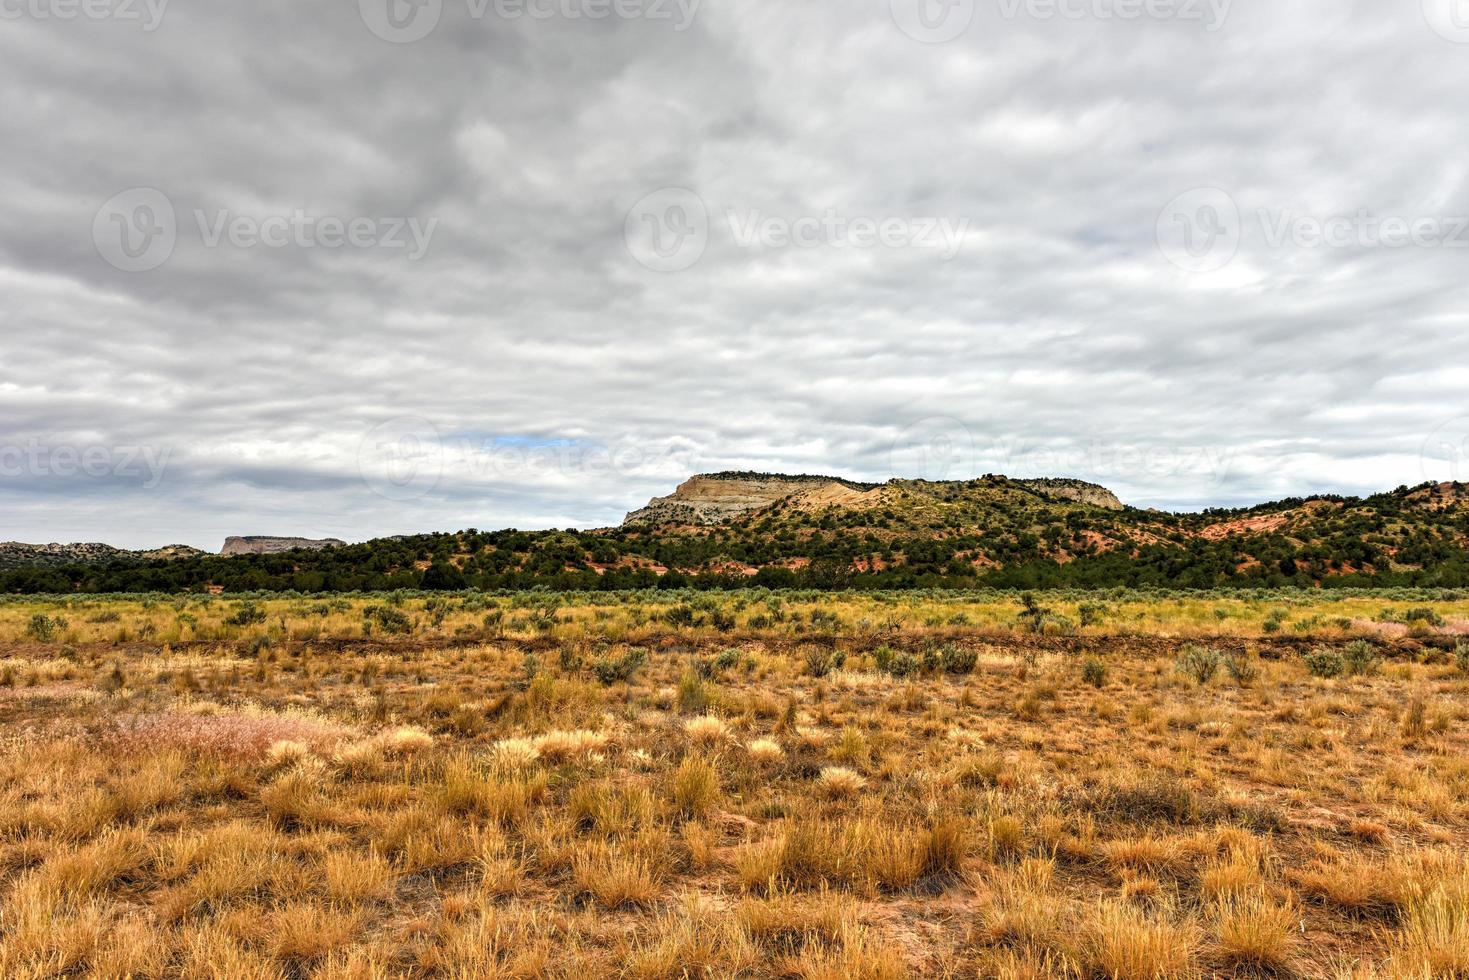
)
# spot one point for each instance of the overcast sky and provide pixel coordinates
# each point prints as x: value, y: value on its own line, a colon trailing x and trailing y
x: 352, y: 269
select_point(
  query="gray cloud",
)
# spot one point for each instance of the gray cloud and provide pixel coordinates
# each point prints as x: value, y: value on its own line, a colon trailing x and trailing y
x: 562, y: 382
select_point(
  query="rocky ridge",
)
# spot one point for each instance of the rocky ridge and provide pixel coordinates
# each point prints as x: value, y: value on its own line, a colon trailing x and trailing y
x: 713, y: 498
x: 267, y: 545
x: 1075, y: 490
x: 16, y: 554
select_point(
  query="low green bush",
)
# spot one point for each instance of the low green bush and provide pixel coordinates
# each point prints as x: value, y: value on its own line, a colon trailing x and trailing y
x: 1323, y: 662
x: 1094, y: 672
x: 609, y: 669
x: 1199, y: 662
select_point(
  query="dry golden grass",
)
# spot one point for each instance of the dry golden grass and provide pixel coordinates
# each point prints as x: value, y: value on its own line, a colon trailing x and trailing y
x: 299, y: 797
x: 613, y: 878
x: 1434, y: 938
x: 765, y: 751
x: 839, y: 783
x: 706, y: 730
x: 1257, y: 932
x: 1127, y: 943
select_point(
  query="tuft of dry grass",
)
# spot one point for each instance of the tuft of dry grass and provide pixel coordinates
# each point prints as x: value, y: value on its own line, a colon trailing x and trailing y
x: 569, y: 746
x: 1433, y: 939
x: 1256, y: 932
x: 1025, y: 913
x: 1126, y: 943
x: 706, y: 730
x: 1147, y: 853
x: 304, y: 933
x: 690, y: 942
x: 352, y: 877
x: 516, y: 753
x: 839, y: 783
x: 615, y: 879
x: 694, y: 787
x: 286, y: 752
x: 765, y: 751
x: 407, y: 741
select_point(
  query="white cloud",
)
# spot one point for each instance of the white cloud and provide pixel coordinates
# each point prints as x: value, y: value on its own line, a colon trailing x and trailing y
x: 1059, y: 323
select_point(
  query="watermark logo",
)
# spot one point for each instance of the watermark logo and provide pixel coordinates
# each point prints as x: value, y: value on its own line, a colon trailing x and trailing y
x: 511, y: 458
x: 406, y: 21
x: 1096, y: 460
x: 680, y: 13
x: 407, y: 458
x: 1200, y: 230
x: 835, y: 229
x: 401, y: 21
x: 1362, y: 229
x: 1448, y: 18
x: 136, y: 230
x: 148, y: 14
x: 932, y: 21
x: 938, y: 21
x: 668, y: 230
x: 301, y: 229
x: 401, y: 459
x: 37, y: 459
x: 936, y: 448
x: 1210, y: 14
x: 941, y: 447
x: 1445, y: 454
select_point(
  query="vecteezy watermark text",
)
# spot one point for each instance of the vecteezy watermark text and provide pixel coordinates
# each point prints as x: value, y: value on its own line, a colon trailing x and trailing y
x: 937, y: 21
x: 941, y: 447
x: 670, y: 229
x: 38, y: 459
x: 1363, y: 229
x: 1210, y: 14
x: 406, y: 458
x: 300, y: 229
x: 1201, y: 230
x: 1104, y: 460
x: 146, y: 13
x: 138, y: 230
x: 406, y: 21
x: 833, y: 229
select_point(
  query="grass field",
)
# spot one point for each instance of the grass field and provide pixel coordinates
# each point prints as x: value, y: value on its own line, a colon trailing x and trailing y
x: 741, y: 784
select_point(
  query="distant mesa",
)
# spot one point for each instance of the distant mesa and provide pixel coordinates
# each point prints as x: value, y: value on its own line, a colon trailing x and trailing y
x: 713, y: 498
x: 266, y: 545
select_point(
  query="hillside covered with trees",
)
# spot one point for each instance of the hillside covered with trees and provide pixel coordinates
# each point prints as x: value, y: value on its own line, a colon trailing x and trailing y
x: 904, y: 534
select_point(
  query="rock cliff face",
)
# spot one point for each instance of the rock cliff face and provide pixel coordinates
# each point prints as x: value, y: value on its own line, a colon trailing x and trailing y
x: 263, y: 545
x: 715, y: 497
x: 1077, y: 490
x: 708, y: 500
